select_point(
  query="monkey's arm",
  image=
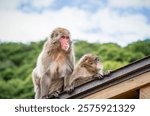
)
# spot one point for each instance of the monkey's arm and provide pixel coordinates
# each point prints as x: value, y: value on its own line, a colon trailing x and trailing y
x: 45, y: 83
x: 71, y: 64
x: 72, y: 58
x: 78, y: 77
x: 74, y: 83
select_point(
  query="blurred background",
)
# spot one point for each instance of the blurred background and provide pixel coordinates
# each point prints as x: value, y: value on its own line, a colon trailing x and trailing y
x: 118, y: 31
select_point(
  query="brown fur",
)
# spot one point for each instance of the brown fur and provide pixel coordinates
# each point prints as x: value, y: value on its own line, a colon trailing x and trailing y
x: 85, y: 70
x: 54, y: 66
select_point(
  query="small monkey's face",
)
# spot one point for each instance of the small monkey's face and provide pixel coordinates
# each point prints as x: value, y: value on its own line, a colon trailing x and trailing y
x: 91, y: 62
x: 61, y: 37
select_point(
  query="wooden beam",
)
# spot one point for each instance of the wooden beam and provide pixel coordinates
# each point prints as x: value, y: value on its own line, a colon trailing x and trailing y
x: 128, y: 85
x: 145, y: 92
x: 133, y: 94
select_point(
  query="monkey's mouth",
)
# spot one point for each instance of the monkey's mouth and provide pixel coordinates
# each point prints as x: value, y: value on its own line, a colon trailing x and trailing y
x: 99, y: 66
x: 66, y: 47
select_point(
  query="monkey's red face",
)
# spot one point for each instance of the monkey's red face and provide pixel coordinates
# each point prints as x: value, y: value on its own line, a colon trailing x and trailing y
x: 99, y: 66
x: 65, y: 42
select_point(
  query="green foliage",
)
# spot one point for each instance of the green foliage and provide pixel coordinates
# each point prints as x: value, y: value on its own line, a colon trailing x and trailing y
x: 17, y: 61
x: 140, y: 46
x: 112, y: 65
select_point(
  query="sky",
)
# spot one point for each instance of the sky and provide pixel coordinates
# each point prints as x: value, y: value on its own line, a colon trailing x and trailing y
x: 118, y: 21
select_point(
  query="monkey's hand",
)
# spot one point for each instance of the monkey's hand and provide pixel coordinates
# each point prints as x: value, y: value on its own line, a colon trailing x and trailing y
x: 69, y: 89
x: 99, y: 76
x: 107, y: 73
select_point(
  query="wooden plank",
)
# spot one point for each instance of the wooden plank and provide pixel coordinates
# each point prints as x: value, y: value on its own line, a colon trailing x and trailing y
x: 133, y: 94
x: 145, y: 92
x: 123, y: 87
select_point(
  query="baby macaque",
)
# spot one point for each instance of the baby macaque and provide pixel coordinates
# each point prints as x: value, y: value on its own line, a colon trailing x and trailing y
x: 88, y: 67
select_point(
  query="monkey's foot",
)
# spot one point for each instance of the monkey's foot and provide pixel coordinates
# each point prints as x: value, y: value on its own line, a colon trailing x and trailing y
x: 54, y: 94
x: 45, y: 97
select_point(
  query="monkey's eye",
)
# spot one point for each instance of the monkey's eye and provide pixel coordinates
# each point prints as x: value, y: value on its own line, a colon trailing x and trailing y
x: 96, y: 59
x: 65, y: 37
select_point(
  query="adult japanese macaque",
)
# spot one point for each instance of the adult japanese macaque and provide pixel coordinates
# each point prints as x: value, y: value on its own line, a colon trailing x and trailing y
x: 88, y: 68
x: 54, y: 65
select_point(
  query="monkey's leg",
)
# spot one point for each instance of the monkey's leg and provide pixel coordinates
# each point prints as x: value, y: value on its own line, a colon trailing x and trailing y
x: 66, y: 81
x: 71, y: 86
x: 55, y: 88
x: 45, y: 83
x: 37, y: 92
x: 36, y: 83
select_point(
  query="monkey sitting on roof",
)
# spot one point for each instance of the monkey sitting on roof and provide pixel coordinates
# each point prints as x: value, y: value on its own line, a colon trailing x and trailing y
x: 88, y: 67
